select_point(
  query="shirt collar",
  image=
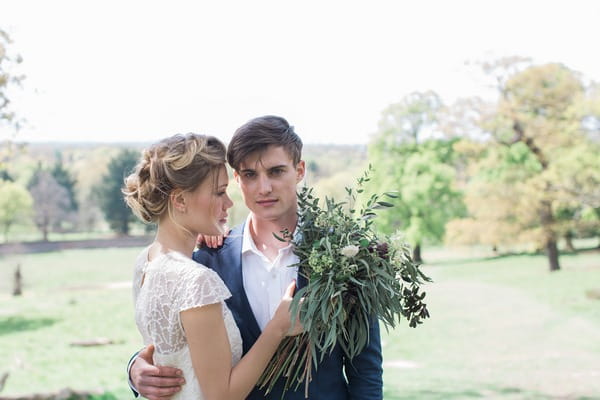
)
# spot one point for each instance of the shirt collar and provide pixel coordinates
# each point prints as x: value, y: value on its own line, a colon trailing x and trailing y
x: 248, y: 243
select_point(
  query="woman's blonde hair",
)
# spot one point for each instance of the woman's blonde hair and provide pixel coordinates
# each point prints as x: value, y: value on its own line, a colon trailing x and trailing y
x: 178, y: 162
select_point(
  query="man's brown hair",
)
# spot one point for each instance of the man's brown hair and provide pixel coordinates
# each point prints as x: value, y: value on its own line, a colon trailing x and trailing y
x: 259, y: 133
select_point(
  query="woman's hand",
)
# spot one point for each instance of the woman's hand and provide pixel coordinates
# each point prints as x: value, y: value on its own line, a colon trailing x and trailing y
x: 282, y: 319
x: 210, y: 241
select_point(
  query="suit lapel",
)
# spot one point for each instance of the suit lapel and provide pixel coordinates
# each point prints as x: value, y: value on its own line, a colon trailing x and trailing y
x: 230, y: 266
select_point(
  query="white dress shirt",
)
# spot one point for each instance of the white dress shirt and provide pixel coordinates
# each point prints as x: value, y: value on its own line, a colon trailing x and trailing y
x: 265, y: 281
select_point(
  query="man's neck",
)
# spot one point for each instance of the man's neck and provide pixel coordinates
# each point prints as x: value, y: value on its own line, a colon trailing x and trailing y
x: 262, y: 232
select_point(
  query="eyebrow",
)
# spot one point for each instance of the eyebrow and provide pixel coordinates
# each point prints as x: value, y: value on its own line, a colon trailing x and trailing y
x: 268, y: 169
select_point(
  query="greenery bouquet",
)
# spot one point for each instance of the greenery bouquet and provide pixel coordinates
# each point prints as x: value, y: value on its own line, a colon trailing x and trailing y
x: 353, y: 276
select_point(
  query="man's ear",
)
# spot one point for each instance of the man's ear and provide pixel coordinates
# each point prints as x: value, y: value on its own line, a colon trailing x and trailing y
x: 236, y: 176
x: 300, y: 171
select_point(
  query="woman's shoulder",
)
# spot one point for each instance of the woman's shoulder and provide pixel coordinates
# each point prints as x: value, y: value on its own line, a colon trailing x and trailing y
x: 177, y: 265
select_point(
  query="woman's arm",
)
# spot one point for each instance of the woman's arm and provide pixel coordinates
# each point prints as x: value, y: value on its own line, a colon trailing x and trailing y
x: 211, y: 353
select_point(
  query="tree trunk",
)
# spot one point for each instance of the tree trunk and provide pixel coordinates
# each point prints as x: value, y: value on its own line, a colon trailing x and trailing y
x: 125, y: 227
x: 552, y: 252
x: 417, y: 253
x: 569, y: 241
x: 18, y: 287
x: 547, y: 220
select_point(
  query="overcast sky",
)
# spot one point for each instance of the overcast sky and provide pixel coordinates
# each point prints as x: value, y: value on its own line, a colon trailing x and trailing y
x: 120, y: 70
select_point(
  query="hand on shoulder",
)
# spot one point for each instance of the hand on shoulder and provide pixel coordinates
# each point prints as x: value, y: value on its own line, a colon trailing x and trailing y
x: 211, y: 241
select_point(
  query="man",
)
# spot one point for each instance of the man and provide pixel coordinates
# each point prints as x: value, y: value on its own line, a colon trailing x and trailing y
x: 265, y: 154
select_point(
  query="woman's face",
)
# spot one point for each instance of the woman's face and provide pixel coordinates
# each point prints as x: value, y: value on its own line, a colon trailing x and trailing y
x: 206, y: 207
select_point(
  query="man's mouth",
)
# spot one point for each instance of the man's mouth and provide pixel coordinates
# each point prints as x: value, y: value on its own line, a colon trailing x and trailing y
x: 266, y: 203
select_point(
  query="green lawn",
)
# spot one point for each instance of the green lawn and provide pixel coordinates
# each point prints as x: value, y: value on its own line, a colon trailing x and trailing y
x: 500, y: 328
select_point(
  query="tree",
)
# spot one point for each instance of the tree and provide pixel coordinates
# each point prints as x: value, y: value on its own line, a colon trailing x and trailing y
x: 407, y: 159
x: 109, y: 194
x: 9, y: 77
x: 15, y: 205
x: 64, y: 178
x: 51, y: 202
x: 409, y: 120
x: 522, y: 188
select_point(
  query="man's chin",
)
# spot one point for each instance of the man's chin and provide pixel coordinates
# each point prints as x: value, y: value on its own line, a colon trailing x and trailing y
x: 267, y: 215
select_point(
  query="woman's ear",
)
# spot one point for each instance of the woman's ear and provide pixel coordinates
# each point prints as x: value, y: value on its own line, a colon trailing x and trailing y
x: 178, y: 200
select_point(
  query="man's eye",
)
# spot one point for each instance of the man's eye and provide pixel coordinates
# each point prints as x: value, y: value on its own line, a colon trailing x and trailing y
x: 277, y: 172
x: 249, y: 174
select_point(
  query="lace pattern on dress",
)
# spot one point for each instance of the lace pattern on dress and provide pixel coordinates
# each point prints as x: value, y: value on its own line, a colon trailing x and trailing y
x: 174, y: 283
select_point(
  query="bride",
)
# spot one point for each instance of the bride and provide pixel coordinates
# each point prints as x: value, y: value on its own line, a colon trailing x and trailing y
x: 180, y: 183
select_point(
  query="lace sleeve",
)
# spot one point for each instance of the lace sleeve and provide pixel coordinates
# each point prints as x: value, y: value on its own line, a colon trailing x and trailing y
x: 201, y: 286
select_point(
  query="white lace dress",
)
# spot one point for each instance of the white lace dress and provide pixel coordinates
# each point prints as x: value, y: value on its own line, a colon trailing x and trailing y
x: 173, y: 283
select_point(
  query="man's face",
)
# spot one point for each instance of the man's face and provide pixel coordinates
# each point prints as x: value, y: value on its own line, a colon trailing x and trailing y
x: 268, y: 182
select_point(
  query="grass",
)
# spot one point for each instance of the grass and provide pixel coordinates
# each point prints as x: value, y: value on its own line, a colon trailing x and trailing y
x: 500, y: 328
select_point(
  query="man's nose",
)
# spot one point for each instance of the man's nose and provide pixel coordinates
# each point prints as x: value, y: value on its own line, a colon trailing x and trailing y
x: 264, y: 185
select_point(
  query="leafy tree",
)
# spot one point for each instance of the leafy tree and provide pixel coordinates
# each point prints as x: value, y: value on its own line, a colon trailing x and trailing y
x: 51, y: 202
x: 523, y: 184
x: 9, y: 77
x: 15, y: 205
x: 419, y: 168
x: 64, y: 178
x: 110, y: 197
x: 5, y: 175
x: 410, y: 120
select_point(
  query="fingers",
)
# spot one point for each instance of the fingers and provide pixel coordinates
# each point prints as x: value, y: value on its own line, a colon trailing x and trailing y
x: 154, y: 382
x: 159, y: 393
x: 159, y: 382
x: 211, y: 241
x: 147, y: 353
x: 289, y: 292
x: 214, y: 241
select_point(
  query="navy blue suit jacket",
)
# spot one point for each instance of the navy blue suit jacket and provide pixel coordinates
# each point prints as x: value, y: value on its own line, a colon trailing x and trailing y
x: 336, y: 378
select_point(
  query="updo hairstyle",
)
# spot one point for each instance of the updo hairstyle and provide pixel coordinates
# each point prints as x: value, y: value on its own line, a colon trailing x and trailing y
x: 178, y: 162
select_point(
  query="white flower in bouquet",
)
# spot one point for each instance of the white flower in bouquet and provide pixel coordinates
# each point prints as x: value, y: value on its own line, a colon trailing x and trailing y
x: 349, y: 251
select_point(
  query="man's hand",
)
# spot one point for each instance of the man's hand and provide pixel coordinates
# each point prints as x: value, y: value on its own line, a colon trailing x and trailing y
x: 154, y: 382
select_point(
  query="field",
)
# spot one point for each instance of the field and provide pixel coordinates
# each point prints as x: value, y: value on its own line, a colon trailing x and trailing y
x: 501, y: 327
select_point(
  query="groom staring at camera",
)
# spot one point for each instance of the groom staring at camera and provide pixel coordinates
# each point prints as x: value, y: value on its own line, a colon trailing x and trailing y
x: 265, y: 154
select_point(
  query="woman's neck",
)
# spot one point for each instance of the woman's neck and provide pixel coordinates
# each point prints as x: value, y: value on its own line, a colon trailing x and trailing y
x: 170, y: 237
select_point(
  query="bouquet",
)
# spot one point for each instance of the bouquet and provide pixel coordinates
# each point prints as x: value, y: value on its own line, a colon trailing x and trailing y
x: 353, y: 276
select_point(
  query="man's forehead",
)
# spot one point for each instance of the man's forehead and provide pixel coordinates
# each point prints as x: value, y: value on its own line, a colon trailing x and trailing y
x: 270, y: 157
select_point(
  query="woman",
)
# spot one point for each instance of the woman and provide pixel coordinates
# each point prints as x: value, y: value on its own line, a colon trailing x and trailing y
x: 180, y: 183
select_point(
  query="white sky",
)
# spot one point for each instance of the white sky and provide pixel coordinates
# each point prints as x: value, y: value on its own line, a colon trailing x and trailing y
x: 124, y: 70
